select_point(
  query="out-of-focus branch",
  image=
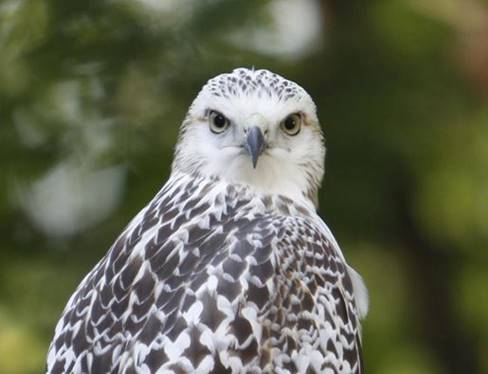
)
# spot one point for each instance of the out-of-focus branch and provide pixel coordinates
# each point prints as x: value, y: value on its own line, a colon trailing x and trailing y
x: 469, y: 19
x: 430, y: 269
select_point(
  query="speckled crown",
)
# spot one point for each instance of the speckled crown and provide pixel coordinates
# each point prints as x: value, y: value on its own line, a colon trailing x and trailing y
x: 261, y: 82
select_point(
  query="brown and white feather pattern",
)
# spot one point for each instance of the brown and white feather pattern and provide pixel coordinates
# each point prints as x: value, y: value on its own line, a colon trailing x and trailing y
x: 211, y: 277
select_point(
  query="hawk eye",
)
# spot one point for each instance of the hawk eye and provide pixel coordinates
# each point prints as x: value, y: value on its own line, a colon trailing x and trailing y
x: 292, y: 124
x: 217, y: 122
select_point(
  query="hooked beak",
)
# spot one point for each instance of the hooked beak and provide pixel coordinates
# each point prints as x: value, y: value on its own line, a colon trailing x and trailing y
x: 254, y: 144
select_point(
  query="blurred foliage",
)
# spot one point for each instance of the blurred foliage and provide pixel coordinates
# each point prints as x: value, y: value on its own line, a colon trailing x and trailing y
x: 91, y: 95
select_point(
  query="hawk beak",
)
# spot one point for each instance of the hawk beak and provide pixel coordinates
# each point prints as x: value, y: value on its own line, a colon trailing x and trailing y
x: 254, y: 144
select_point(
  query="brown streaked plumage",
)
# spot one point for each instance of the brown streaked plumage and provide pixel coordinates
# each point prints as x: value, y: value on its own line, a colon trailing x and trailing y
x: 222, y: 272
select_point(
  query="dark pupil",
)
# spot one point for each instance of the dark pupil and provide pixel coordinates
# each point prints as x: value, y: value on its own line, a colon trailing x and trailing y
x: 219, y: 120
x: 290, y: 123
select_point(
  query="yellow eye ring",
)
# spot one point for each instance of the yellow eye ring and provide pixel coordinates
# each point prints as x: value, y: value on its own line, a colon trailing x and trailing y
x: 217, y: 122
x: 292, y: 124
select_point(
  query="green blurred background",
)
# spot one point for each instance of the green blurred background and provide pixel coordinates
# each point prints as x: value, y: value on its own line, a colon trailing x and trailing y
x: 91, y: 96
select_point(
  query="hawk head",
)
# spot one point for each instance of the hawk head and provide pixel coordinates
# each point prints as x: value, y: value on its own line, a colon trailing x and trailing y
x: 256, y: 128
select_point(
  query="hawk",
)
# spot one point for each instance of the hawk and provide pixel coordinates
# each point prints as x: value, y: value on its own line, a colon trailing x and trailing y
x: 229, y: 269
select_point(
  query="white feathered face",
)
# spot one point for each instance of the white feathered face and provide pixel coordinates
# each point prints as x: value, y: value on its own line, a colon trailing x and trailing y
x: 257, y: 128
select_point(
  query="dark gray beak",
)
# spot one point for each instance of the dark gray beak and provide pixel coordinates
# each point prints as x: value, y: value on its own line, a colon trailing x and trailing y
x: 254, y: 144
